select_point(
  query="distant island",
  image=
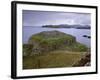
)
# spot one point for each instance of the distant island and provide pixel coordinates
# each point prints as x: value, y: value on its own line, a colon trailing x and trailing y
x: 68, y: 26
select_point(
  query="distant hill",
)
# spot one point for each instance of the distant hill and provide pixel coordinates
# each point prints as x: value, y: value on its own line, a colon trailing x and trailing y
x: 68, y: 26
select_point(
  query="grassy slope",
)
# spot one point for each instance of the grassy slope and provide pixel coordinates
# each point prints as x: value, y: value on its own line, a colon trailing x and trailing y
x: 65, y: 57
x: 52, y: 59
x: 62, y: 51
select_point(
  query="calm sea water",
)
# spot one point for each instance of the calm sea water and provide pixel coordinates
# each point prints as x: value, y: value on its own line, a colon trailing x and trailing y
x: 78, y: 33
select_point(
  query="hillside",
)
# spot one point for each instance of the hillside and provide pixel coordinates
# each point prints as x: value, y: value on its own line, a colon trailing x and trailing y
x: 52, y: 49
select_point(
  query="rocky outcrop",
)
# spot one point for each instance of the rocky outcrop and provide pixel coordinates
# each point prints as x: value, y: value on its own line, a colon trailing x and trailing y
x: 27, y: 49
x: 85, y: 61
x: 50, y: 40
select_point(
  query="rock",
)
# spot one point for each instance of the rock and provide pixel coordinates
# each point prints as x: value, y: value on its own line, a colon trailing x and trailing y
x: 88, y: 64
x: 85, y: 61
x: 27, y: 49
x: 86, y: 36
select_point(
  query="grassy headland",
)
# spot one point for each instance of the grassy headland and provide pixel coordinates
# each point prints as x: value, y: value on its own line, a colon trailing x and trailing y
x: 49, y: 49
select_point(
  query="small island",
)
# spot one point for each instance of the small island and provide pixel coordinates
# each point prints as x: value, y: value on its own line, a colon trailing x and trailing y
x: 87, y: 36
x: 49, y: 49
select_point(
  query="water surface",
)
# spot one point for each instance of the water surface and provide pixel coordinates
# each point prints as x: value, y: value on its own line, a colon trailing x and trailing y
x: 78, y: 33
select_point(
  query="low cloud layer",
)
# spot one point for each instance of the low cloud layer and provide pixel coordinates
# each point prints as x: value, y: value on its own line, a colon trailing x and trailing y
x: 39, y: 18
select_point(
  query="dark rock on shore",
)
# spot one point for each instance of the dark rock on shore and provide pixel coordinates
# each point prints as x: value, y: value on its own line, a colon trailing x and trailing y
x: 86, y: 36
x: 85, y: 61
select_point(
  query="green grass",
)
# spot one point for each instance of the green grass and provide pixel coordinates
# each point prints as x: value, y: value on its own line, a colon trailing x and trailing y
x: 76, y: 47
x: 48, y: 50
x: 52, y: 59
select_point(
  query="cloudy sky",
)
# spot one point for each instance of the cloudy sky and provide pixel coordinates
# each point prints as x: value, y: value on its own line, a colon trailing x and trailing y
x: 39, y: 18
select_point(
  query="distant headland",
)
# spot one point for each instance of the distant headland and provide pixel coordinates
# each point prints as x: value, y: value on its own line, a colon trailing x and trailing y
x: 68, y: 26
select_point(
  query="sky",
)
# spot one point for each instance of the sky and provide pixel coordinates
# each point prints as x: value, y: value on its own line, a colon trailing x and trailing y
x: 40, y: 18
